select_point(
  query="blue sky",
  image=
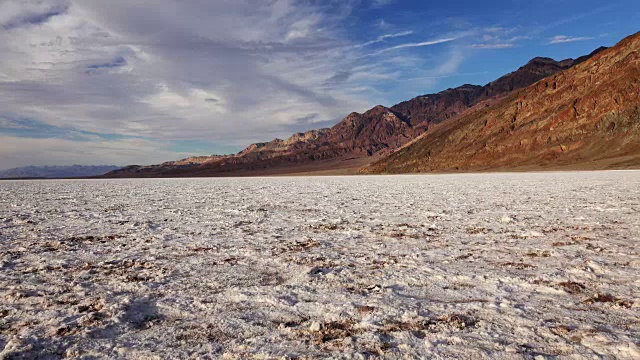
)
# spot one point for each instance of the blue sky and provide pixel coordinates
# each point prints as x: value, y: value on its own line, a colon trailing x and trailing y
x: 122, y: 82
x: 507, y: 34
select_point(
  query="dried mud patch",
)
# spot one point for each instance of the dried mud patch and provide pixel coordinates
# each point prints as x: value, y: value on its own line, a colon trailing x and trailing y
x: 572, y: 287
x: 608, y: 299
x: 333, y: 330
x: 445, y: 323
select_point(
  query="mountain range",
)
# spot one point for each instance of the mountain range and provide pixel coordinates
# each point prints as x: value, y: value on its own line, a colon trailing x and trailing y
x: 547, y: 114
x: 585, y: 117
x: 49, y: 172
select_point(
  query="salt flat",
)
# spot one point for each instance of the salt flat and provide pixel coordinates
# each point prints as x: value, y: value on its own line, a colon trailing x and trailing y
x: 511, y: 266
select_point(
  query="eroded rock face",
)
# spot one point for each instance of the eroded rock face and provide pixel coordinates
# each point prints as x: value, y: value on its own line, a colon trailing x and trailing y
x: 379, y: 131
x: 587, y: 116
x: 364, y: 134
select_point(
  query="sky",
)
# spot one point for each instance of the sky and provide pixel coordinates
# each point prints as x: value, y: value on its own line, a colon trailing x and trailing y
x: 141, y: 82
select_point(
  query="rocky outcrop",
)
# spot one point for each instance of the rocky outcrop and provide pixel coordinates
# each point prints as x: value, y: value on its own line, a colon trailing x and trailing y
x: 587, y: 116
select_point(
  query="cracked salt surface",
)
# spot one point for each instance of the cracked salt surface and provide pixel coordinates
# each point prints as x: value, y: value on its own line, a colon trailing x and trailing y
x: 511, y: 266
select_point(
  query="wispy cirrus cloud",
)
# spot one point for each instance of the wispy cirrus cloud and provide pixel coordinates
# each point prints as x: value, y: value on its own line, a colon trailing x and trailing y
x: 384, y: 37
x: 561, y: 39
x: 495, y: 37
x: 416, y: 44
x: 492, y: 46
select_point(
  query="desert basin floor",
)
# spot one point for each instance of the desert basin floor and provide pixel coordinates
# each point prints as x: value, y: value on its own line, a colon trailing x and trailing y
x: 496, y: 266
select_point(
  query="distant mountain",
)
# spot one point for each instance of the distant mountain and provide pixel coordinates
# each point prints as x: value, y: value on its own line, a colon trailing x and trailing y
x: 56, y: 171
x: 585, y: 117
x: 359, y: 138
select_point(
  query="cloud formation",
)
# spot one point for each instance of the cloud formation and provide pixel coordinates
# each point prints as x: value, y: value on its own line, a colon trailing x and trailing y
x: 119, y: 67
x: 220, y: 71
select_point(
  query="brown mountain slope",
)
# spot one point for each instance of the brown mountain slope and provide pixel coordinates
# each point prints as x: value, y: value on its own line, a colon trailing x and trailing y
x: 585, y: 117
x: 366, y: 136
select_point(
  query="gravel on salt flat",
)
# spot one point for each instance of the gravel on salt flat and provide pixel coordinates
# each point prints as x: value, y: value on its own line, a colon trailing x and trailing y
x: 499, y: 266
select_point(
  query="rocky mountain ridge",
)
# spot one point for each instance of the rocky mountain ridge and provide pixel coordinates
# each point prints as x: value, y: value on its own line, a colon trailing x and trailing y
x: 367, y: 136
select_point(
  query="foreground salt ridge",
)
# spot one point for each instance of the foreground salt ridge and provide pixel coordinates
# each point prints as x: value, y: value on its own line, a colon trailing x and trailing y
x: 450, y: 266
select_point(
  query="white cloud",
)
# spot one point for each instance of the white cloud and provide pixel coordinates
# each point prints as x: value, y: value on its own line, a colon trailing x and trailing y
x: 419, y: 44
x: 384, y: 37
x: 561, y: 39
